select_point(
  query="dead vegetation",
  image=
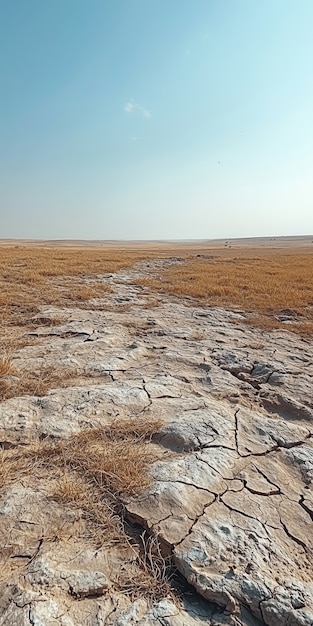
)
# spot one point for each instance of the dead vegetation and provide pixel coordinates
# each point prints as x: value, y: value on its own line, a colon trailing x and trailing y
x: 34, y: 276
x: 273, y: 286
x: 24, y: 382
x: 94, y: 471
x: 5, y: 366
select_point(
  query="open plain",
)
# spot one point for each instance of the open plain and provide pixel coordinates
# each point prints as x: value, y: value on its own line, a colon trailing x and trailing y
x: 156, y: 429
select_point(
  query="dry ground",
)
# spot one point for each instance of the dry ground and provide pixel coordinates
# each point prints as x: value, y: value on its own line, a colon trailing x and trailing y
x: 32, y: 276
x: 268, y: 283
x: 97, y: 468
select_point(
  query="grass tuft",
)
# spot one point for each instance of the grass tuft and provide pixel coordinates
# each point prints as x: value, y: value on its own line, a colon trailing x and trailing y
x: 5, y: 366
x: 24, y: 382
x: 94, y: 471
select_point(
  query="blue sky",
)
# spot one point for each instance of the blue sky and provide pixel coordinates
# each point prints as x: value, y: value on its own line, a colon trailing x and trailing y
x: 151, y: 119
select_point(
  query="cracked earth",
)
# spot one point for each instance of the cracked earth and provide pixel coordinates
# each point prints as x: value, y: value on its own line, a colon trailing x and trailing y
x: 230, y: 501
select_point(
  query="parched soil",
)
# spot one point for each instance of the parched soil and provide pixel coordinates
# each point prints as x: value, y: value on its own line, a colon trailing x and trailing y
x: 156, y: 435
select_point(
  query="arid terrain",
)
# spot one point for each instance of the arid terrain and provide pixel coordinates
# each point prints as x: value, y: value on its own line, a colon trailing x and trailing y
x: 156, y: 430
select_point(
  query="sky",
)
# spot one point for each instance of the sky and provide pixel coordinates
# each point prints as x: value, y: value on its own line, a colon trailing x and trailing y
x: 156, y: 119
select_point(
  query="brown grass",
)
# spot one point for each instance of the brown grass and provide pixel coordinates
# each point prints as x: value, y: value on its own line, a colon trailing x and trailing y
x: 32, y: 276
x: 5, y: 366
x: 94, y: 471
x: 265, y: 285
x: 114, y: 458
x: 24, y: 382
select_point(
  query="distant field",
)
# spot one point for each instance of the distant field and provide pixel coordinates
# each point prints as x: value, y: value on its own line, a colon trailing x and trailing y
x: 269, y: 283
x: 263, y: 279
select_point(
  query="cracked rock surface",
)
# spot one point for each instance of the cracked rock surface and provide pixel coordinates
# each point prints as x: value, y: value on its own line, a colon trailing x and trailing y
x: 231, y: 497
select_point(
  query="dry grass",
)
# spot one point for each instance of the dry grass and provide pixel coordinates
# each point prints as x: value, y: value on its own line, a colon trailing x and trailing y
x: 32, y: 276
x: 114, y: 459
x: 6, y: 374
x: 5, y: 366
x: 153, y: 574
x: 94, y: 471
x: 265, y: 284
x: 24, y: 382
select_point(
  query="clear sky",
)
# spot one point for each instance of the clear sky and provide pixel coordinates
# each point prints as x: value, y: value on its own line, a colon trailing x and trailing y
x: 151, y: 119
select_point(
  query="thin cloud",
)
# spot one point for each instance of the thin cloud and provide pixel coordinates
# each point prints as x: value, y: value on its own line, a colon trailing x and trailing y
x: 129, y: 107
x: 133, y: 107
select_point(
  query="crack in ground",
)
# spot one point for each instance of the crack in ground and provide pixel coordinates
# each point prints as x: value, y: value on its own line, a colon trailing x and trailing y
x: 228, y: 506
x: 236, y: 431
x: 183, y: 482
x: 304, y: 507
x: 213, y: 468
x: 162, y: 520
x: 274, y: 492
x: 292, y: 537
x: 205, y: 507
x: 214, y: 446
x: 267, y: 478
x: 277, y: 447
x: 30, y: 617
x: 147, y: 392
